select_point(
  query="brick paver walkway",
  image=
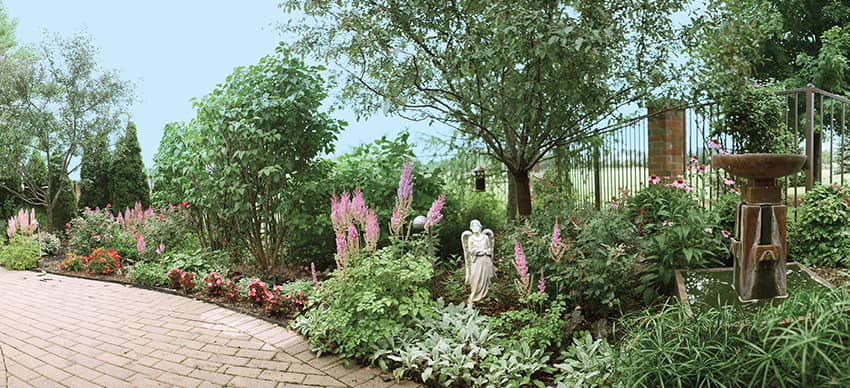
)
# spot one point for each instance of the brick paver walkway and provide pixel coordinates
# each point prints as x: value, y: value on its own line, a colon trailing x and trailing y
x: 57, y: 330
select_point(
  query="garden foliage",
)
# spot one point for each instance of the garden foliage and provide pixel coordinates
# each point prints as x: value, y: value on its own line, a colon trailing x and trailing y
x: 21, y: 253
x: 821, y: 233
x: 128, y: 182
x: 243, y: 161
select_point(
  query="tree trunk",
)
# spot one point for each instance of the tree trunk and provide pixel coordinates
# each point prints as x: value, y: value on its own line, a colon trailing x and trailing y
x: 523, y: 193
x: 49, y: 209
x: 511, y: 205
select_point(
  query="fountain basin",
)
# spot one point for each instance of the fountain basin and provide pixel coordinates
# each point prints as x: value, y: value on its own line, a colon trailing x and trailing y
x: 703, y: 289
x: 760, y: 166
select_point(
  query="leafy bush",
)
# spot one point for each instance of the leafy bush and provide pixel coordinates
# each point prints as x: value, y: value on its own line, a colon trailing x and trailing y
x: 678, y: 234
x: 149, y: 273
x: 456, y: 346
x: 21, y: 253
x: 73, y: 263
x: 220, y: 162
x: 821, y: 234
x: 588, y: 363
x: 214, y: 284
x: 199, y: 261
x: 752, y: 115
x: 547, y: 330
x: 462, y: 207
x: 104, y: 261
x: 770, y: 347
x: 258, y: 292
x: 92, y: 229
x: 377, y: 294
x: 48, y: 242
x: 599, y: 252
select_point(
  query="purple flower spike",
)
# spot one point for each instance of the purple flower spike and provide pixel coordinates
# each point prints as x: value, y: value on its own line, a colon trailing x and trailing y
x: 541, y: 284
x: 519, y: 260
x: 434, y: 215
x: 373, y: 231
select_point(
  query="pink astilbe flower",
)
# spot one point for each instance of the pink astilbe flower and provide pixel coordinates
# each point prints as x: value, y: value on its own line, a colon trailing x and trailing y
x: 403, y: 200
x: 541, y: 284
x: 353, y: 240
x: 340, y: 215
x: 519, y: 260
x: 140, y: 243
x: 357, y: 208
x: 434, y: 215
x: 372, y: 232
x: 160, y: 249
x: 396, y: 223
x: 313, y: 274
x: 556, y: 246
x: 523, y: 284
x: 12, y: 228
x: 405, y: 183
x: 341, y: 251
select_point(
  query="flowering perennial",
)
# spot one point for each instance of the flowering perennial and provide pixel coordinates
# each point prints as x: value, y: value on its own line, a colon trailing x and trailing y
x: 258, y: 291
x: 523, y: 284
x: 434, y: 215
x: 24, y: 223
x: 313, y: 274
x: 214, y: 284
x: 357, y: 207
x: 341, y: 251
x: 372, y: 232
x: 541, y: 284
x: 404, y: 199
x: 556, y: 247
x: 353, y: 240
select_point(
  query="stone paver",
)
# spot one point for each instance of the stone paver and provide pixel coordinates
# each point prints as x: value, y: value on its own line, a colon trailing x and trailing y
x: 61, y: 331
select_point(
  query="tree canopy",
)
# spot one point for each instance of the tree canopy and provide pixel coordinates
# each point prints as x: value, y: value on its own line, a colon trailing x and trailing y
x: 52, y: 103
x: 523, y: 76
x: 255, y: 142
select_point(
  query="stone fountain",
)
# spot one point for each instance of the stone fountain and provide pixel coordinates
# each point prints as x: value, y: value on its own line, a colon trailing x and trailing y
x: 760, y: 247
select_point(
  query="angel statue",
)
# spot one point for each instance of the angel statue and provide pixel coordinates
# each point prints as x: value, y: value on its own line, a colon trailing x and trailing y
x: 478, y: 259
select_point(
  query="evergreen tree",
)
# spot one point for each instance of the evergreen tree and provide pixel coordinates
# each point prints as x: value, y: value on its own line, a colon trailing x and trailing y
x: 94, y: 173
x: 128, y: 180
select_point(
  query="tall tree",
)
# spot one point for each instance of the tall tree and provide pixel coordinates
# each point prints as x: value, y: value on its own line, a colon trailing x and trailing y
x: 95, y: 168
x: 523, y: 76
x: 127, y: 176
x: 52, y: 104
x: 65, y: 207
x: 792, y: 42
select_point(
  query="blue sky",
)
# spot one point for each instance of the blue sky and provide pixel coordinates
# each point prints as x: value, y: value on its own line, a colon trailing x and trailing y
x: 177, y: 50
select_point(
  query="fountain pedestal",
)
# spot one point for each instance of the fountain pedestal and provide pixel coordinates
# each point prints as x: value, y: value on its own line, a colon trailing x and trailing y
x: 760, y: 247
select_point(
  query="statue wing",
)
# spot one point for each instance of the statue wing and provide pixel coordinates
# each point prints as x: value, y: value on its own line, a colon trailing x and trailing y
x: 464, y: 240
x: 491, y: 242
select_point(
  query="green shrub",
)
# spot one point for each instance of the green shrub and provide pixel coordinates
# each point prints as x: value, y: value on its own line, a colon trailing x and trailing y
x: 378, y: 294
x: 456, y: 346
x: 150, y: 273
x: 462, y: 207
x: 821, y: 234
x: 541, y: 330
x: 201, y: 262
x: 596, y: 268
x: 770, y: 347
x: 21, y: 253
x: 92, y: 229
x: 588, y: 363
x: 678, y: 233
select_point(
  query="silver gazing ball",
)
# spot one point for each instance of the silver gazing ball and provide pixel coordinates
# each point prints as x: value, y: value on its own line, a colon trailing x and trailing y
x: 419, y: 223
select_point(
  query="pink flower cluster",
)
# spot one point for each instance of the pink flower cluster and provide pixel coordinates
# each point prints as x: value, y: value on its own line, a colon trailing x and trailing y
x: 214, y: 284
x: 557, y: 247
x: 258, y: 291
x: 404, y: 199
x: 24, y: 223
x: 346, y: 210
x: 523, y: 284
x: 434, y: 216
x: 313, y: 274
x: 180, y: 279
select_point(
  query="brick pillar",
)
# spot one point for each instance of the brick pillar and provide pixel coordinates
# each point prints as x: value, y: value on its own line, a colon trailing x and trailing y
x: 666, y: 140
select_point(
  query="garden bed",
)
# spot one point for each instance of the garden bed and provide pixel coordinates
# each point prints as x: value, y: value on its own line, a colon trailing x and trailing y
x: 49, y: 265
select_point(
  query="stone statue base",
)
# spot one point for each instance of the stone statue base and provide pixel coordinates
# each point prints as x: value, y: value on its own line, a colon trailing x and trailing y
x: 760, y: 251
